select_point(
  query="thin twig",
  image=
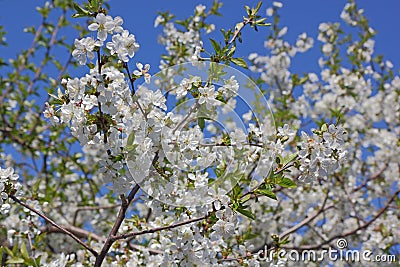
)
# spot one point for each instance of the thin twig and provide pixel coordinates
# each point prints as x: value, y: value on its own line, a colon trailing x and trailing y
x: 369, y: 179
x: 47, y: 219
x: 352, y: 232
x: 237, y: 31
x: 91, y: 208
x: 82, y: 233
x: 157, y: 229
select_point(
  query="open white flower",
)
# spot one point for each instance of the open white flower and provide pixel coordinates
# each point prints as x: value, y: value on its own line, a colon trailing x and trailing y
x: 123, y: 45
x: 207, y: 96
x: 143, y: 71
x: 84, y: 48
x: 103, y: 25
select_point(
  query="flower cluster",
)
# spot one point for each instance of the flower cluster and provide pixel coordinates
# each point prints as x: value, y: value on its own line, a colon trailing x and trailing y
x: 320, y: 156
x: 9, y: 186
x: 123, y: 43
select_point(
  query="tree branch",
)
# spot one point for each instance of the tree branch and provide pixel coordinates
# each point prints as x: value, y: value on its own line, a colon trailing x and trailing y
x: 120, y: 218
x: 47, y: 219
x: 302, y: 223
x: 352, y: 232
x: 153, y: 230
x: 82, y: 208
x: 82, y: 233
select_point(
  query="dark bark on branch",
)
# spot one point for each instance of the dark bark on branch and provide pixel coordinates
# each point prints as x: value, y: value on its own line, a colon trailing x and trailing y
x: 120, y: 218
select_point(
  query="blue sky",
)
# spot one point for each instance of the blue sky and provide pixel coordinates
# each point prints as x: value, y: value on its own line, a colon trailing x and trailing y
x: 299, y: 16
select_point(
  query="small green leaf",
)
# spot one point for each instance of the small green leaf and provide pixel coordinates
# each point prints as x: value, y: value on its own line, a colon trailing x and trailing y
x: 37, y: 260
x: 201, y: 122
x: 77, y: 15
x: 240, y: 62
x: 303, y: 80
x: 15, y: 260
x: 24, y: 251
x: 245, y: 212
x: 248, y: 10
x: 131, y: 139
x: 289, y: 158
x: 278, y: 159
x: 245, y: 198
x: 8, y: 251
x: 287, y: 182
x: 236, y: 191
x: 95, y: 4
x: 216, y: 46
x: 267, y: 193
x: 261, y: 21
x: 263, y: 24
x: 231, y: 51
x: 81, y: 11
x: 257, y: 7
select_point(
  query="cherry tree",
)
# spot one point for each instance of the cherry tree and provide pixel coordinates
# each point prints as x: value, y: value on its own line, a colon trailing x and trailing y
x: 196, y: 163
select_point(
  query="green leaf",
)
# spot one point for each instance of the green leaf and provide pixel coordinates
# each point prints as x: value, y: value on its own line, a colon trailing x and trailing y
x: 257, y: 7
x: 24, y: 251
x: 267, y: 193
x: 231, y: 51
x: 261, y: 21
x: 95, y: 4
x: 37, y: 260
x: 77, y: 15
x: 81, y: 11
x: 216, y: 46
x: 236, y: 191
x: 246, y: 198
x: 289, y: 158
x: 131, y: 139
x: 248, y: 10
x: 278, y: 159
x: 201, y: 122
x: 287, y: 182
x: 245, y: 212
x: 263, y: 24
x: 8, y: 251
x: 240, y: 62
x: 303, y: 80
x: 15, y: 260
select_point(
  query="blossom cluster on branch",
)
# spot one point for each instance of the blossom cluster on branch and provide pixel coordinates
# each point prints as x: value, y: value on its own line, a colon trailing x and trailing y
x: 199, y: 164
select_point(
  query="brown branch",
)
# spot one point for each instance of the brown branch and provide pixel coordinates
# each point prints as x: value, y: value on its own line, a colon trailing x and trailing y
x: 82, y: 233
x: 132, y: 82
x: 47, y: 219
x: 78, y: 232
x: 369, y: 179
x: 352, y: 232
x: 306, y: 221
x: 238, y: 30
x: 120, y: 218
x: 53, y: 39
x: 153, y: 230
x: 82, y: 208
